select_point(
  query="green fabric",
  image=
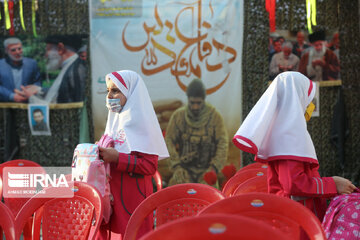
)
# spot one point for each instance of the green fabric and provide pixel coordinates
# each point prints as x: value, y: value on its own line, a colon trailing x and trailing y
x: 33, y: 17
x: 21, y: 12
x: 84, y: 136
x: 7, y: 15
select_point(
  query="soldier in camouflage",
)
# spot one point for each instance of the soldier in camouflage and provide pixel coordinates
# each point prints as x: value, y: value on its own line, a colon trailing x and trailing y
x: 196, y: 139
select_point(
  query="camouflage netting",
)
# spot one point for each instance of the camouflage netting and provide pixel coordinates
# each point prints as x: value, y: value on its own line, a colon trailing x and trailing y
x: 291, y: 15
x: 52, y: 17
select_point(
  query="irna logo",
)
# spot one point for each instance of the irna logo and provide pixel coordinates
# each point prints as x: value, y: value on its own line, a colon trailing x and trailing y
x: 43, y: 182
x: 34, y: 180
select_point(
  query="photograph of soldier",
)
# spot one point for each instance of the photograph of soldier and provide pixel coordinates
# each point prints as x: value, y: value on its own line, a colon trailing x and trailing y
x: 197, y: 140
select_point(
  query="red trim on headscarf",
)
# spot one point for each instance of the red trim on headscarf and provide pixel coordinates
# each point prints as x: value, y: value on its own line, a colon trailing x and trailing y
x: 118, y: 76
x: 310, y: 87
x: 253, y: 149
x: 287, y: 157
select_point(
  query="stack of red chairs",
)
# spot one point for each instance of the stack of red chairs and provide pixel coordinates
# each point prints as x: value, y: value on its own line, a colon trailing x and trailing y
x: 15, y: 204
x: 241, y: 177
x: 288, y: 216
x: 77, y: 217
x: 172, y: 203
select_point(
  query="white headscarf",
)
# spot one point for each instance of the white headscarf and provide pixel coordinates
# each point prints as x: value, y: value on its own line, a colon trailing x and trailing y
x: 136, y: 127
x: 276, y: 127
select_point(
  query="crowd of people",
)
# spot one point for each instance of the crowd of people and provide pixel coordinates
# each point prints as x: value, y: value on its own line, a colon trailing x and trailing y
x: 316, y: 59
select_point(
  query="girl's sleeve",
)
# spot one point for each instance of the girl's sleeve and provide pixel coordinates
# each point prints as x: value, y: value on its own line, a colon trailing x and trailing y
x: 299, y: 179
x: 138, y: 163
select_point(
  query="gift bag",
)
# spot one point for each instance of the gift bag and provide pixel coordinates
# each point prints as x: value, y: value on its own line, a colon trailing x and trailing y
x: 88, y: 167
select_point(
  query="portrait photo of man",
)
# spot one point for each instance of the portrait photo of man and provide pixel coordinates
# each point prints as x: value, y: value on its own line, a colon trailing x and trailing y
x: 39, y: 119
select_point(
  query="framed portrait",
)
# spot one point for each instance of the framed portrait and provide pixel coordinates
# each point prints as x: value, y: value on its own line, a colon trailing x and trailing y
x: 62, y: 77
x: 38, y: 115
x: 315, y: 55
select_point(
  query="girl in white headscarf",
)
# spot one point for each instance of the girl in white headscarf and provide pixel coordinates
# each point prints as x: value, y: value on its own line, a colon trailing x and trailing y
x: 275, y: 131
x: 138, y: 145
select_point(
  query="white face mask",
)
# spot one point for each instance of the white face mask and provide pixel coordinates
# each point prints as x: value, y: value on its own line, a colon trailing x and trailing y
x: 114, y: 105
x: 53, y: 60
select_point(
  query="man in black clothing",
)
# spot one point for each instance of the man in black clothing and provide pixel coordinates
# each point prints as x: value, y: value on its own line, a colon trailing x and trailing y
x: 69, y: 85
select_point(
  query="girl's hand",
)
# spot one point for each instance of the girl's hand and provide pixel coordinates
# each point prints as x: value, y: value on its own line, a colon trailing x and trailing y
x: 110, y: 155
x: 343, y: 185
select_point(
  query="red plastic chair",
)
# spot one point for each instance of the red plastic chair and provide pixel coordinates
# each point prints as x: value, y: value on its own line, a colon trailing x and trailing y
x: 252, y: 166
x: 255, y: 184
x: 158, y: 181
x: 64, y: 218
x: 280, y: 212
x: 1, y: 232
x: 7, y: 222
x: 177, y: 201
x: 0, y: 189
x: 15, y: 204
x: 215, y: 227
x: 239, y: 178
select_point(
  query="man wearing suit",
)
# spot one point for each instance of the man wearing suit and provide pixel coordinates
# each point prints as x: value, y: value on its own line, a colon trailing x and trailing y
x: 16, y: 71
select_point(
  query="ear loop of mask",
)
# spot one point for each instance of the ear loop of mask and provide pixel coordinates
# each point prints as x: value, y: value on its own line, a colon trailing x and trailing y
x: 309, y: 110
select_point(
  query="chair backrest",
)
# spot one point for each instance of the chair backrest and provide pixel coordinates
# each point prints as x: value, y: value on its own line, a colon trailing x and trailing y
x: 256, y: 165
x: 15, y: 204
x: 7, y: 222
x: 180, y: 200
x: 215, y: 227
x: 239, y: 178
x: 282, y: 213
x: 255, y: 184
x: 1, y: 189
x: 158, y: 180
x: 64, y: 218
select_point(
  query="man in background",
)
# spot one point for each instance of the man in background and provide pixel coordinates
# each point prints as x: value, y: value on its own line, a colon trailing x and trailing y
x: 16, y: 72
x: 319, y: 63
x: 69, y: 85
x: 277, y: 47
x: 83, y: 53
x: 283, y: 61
x: 300, y: 46
x: 197, y: 140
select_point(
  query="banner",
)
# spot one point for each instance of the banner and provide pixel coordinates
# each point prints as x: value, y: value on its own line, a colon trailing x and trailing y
x: 169, y: 43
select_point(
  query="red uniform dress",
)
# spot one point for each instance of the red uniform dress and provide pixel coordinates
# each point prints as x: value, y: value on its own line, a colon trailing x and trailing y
x: 275, y: 131
x: 137, y: 136
x: 130, y: 184
x: 301, y: 182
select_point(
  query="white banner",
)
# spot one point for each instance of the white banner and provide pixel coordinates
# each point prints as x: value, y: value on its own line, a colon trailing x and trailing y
x: 169, y: 43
